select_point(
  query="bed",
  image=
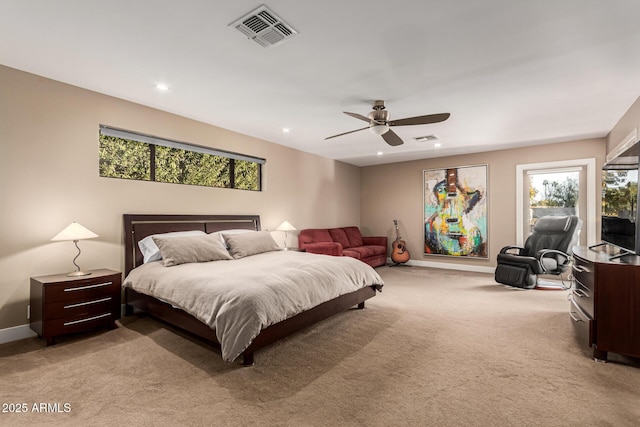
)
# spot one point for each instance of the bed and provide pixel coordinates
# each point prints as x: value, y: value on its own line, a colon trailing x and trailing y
x: 301, y: 271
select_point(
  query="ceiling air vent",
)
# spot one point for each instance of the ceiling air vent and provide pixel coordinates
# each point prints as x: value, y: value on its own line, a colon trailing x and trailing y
x: 264, y: 27
x: 426, y: 138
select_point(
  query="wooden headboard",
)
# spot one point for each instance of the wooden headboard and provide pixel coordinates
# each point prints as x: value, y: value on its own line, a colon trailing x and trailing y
x: 139, y: 226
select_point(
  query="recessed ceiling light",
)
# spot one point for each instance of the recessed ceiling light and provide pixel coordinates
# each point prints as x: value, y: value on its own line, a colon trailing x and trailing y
x: 285, y: 130
x: 437, y: 145
x: 379, y: 153
x: 163, y: 87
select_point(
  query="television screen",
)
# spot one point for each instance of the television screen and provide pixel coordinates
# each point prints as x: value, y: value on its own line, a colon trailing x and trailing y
x: 620, y: 205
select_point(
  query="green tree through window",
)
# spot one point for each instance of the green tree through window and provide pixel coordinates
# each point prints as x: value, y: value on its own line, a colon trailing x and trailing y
x: 247, y: 175
x: 121, y: 158
x: 179, y: 166
x: 554, y: 193
x: 131, y: 159
x: 619, y: 193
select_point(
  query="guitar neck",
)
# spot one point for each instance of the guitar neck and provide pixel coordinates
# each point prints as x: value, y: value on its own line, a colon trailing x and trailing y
x: 452, y: 181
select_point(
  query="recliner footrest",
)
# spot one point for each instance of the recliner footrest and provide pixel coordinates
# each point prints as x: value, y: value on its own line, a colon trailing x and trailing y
x: 512, y: 275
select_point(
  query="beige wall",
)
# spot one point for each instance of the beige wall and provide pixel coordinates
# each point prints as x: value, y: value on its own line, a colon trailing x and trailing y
x: 49, y: 178
x: 395, y: 191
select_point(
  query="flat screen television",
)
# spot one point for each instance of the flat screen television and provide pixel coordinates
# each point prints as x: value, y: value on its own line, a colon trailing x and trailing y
x: 620, y: 198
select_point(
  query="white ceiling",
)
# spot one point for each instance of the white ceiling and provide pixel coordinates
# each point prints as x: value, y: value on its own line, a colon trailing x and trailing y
x: 510, y: 72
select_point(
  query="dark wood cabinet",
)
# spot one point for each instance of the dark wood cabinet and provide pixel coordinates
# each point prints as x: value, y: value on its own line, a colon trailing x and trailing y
x: 61, y: 304
x: 605, y: 301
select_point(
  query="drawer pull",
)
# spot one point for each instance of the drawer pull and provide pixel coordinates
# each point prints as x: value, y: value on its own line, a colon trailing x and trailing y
x: 574, y: 317
x: 82, y: 288
x: 580, y: 293
x: 87, y: 319
x: 578, y: 281
x: 579, y: 268
x: 576, y: 310
x: 80, y: 304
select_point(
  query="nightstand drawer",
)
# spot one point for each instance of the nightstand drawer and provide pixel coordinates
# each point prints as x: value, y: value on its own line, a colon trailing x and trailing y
x: 82, y: 289
x: 64, y: 326
x: 77, y: 309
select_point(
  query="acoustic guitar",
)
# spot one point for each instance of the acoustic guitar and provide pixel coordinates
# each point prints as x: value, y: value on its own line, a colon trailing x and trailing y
x: 399, y: 253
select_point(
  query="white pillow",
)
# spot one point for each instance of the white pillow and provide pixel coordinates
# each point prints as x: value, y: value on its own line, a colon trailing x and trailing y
x: 151, y: 252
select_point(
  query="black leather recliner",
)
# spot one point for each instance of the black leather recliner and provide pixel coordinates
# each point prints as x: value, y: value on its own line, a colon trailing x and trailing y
x: 546, y: 251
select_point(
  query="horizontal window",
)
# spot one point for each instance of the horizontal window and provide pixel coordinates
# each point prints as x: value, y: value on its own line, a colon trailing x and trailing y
x: 130, y: 155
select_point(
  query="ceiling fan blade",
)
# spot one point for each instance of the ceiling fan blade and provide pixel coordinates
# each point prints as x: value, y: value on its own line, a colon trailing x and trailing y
x: 357, y: 116
x: 346, y: 133
x: 420, y: 120
x: 391, y: 138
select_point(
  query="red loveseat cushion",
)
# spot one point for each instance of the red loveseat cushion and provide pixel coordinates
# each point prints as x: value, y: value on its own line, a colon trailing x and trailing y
x: 338, y: 235
x: 354, y: 236
x: 367, y: 251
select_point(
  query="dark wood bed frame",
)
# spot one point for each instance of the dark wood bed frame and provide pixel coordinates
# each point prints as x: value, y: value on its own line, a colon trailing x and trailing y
x: 137, y: 227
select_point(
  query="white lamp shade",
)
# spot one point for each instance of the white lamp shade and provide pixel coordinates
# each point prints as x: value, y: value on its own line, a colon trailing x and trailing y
x: 285, y: 226
x: 74, y: 231
x: 379, y: 129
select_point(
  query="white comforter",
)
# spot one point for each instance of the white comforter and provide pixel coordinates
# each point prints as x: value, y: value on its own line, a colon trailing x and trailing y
x: 239, y: 298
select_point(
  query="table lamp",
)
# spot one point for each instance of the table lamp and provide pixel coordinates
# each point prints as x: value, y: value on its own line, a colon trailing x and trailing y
x: 285, y: 226
x: 75, y: 232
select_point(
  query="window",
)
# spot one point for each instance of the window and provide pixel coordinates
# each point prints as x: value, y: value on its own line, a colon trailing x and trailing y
x: 553, y: 192
x: 587, y: 191
x: 130, y: 155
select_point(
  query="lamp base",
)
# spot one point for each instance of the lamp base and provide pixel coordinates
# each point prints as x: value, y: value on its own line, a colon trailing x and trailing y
x: 78, y: 273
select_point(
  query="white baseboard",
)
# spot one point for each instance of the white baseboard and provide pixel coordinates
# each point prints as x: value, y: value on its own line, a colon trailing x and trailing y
x: 449, y: 266
x: 16, y: 333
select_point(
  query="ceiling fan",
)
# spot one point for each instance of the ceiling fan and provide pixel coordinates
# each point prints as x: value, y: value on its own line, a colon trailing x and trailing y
x: 380, y: 124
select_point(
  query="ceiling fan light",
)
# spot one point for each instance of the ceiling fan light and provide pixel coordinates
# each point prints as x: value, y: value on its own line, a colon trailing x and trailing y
x: 379, y: 129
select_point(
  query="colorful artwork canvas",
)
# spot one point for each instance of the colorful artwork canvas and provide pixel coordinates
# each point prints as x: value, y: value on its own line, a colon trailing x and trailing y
x: 455, y: 211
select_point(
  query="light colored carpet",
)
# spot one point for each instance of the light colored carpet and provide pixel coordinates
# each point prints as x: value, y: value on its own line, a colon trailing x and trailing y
x: 436, y: 347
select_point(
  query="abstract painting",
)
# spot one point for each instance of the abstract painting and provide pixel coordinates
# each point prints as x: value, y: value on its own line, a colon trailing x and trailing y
x: 455, y: 211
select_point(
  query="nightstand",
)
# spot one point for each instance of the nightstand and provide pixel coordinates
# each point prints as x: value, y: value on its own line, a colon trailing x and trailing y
x: 61, y: 304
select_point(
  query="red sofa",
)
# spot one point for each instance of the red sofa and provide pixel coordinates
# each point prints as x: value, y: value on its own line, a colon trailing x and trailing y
x: 345, y: 241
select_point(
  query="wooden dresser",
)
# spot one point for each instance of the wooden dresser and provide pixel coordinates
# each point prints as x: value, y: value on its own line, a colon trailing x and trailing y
x: 605, y: 301
x: 61, y: 304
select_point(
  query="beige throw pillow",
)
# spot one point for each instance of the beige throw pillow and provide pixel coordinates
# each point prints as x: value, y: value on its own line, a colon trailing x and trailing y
x: 245, y: 244
x: 182, y: 250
